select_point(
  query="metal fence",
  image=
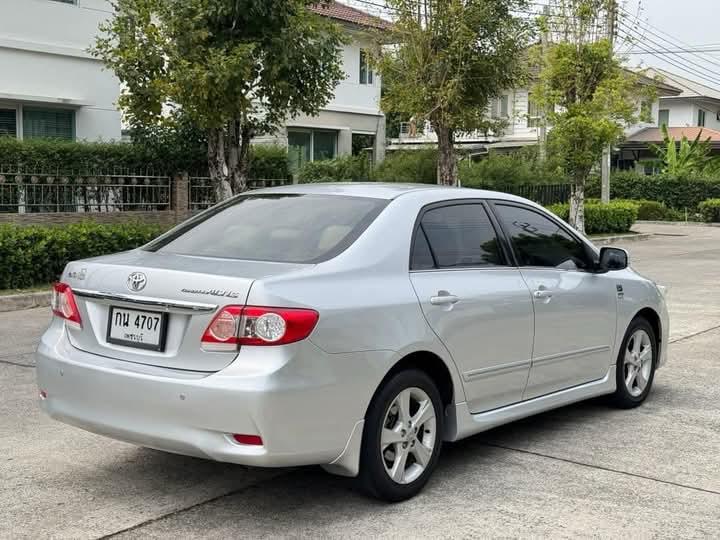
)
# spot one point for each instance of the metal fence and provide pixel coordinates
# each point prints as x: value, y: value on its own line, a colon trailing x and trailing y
x: 544, y: 194
x: 202, y: 190
x: 25, y: 193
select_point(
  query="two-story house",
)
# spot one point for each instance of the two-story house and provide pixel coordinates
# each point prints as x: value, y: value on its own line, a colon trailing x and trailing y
x: 521, y: 118
x: 51, y: 86
x: 352, y: 119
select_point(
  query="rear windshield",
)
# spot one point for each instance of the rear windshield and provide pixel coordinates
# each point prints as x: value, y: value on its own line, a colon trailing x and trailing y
x: 295, y: 228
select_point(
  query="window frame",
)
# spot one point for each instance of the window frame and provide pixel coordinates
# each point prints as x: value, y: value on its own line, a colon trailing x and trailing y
x: 509, y: 262
x: 50, y: 109
x: 660, y: 114
x: 369, y: 74
x: 701, y: 113
x: 13, y: 110
x: 590, y: 251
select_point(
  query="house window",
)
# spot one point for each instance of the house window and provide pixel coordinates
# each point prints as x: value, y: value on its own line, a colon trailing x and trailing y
x: 366, y: 73
x: 701, y: 117
x: 48, y: 123
x: 310, y: 145
x: 8, y: 122
x: 500, y: 107
x: 664, y: 117
x: 533, y: 117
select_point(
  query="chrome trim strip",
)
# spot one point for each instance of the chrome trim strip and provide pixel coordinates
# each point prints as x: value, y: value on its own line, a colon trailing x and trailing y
x: 496, y: 370
x: 549, y: 359
x: 165, y: 305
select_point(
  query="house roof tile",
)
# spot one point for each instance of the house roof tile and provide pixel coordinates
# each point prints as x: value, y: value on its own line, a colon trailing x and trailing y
x: 348, y: 14
x: 654, y: 135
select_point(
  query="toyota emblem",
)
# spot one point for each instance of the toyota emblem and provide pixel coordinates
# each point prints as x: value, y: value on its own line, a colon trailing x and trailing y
x: 136, y: 281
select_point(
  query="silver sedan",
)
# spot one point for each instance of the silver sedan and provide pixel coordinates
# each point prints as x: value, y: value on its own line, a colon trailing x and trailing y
x: 355, y: 326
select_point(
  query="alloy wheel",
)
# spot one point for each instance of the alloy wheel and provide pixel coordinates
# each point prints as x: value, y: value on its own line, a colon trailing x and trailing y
x: 638, y: 362
x: 409, y: 435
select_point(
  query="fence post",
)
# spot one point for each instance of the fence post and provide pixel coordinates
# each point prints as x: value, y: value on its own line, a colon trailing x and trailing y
x: 180, y: 196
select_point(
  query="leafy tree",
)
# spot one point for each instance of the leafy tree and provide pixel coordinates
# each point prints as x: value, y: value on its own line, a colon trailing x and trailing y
x: 683, y: 159
x: 236, y: 69
x: 452, y: 57
x: 587, y: 95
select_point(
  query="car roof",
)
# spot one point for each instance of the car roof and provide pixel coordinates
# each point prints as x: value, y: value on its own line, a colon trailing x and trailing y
x: 387, y: 190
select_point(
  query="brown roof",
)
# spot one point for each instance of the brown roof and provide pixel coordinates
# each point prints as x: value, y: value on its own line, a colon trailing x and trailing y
x: 654, y: 135
x: 341, y: 12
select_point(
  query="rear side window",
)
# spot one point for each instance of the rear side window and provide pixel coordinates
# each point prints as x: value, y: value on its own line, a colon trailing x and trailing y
x: 456, y: 236
x: 295, y: 228
x: 539, y: 241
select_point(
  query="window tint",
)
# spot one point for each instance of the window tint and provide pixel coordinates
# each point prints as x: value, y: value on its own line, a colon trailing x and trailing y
x: 539, y: 241
x: 48, y: 123
x: 461, y: 235
x: 279, y: 227
x: 422, y: 258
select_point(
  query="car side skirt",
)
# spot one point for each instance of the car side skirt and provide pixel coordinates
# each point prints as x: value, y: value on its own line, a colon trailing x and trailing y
x: 461, y: 423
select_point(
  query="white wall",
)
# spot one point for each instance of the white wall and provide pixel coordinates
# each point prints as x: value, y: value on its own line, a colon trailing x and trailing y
x: 350, y: 95
x: 44, y: 59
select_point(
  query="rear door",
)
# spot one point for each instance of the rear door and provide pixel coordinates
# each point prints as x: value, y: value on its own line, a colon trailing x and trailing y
x: 476, y: 303
x: 575, y: 309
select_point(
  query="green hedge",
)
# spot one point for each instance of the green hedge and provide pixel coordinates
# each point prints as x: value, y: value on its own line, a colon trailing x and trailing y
x: 415, y: 166
x: 349, y: 168
x: 710, y: 210
x: 674, y: 193
x: 36, y: 255
x: 615, y: 217
x: 156, y: 156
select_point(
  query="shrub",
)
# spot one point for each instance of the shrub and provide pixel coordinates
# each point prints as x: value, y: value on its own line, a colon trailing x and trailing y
x: 36, y: 255
x: 710, y: 210
x: 498, y: 170
x: 615, y: 217
x: 416, y: 166
x: 346, y: 168
x: 268, y: 162
x: 674, y: 193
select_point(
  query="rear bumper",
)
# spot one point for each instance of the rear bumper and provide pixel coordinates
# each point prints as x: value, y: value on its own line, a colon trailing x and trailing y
x: 303, y: 402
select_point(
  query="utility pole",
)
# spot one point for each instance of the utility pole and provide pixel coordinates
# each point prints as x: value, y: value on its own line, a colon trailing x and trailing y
x: 542, y: 124
x: 605, y: 163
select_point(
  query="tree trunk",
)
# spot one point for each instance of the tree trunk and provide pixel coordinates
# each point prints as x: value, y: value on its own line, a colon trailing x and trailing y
x: 447, y: 173
x: 577, y: 206
x: 217, y: 164
x: 241, y: 170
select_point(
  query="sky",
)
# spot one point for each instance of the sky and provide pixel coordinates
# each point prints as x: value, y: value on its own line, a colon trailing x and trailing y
x: 660, y: 25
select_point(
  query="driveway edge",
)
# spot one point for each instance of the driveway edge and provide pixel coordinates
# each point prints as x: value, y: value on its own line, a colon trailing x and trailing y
x: 605, y: 240
x: 17, y: 302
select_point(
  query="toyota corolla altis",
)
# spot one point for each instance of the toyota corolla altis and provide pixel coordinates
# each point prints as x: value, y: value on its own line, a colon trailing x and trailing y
x: 352, y: 326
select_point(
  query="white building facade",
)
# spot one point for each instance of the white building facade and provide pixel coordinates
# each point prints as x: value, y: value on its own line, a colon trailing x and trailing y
x: 51, y: 86
x: 352, y: 121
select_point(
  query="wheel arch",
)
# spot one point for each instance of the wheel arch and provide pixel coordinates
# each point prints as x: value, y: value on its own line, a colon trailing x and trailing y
x: 653, y: 318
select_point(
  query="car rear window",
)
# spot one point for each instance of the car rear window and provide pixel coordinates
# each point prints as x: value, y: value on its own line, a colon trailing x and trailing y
x: 294, y: 228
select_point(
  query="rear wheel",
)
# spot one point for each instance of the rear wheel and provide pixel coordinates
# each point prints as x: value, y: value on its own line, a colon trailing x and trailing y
x: 402, y: 437
x: 636, y: 363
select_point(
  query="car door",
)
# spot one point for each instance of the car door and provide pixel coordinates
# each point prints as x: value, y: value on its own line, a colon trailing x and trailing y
x: 575, y: 308
x: 476, y: 303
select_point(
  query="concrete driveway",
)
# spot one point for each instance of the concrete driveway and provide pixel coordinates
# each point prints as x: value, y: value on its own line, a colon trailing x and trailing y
x: 581, y: 471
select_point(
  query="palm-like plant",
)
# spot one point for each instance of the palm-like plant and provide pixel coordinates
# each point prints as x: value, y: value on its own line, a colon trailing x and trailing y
x: 684, y: 159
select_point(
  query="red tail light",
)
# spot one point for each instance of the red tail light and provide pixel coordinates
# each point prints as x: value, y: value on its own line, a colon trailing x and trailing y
x: 63, y: 304
x: 251, y: 325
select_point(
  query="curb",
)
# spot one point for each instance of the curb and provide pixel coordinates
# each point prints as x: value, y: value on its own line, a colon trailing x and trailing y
x: 16, y: 302
x: 678, y: 223
x: 605, y: 240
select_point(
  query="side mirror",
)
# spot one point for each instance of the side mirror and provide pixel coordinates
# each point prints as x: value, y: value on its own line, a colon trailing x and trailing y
x: 612, y: 258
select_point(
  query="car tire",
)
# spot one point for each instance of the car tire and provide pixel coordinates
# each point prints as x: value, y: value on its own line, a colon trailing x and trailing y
x: 635, y: 366
x: 401, y: 443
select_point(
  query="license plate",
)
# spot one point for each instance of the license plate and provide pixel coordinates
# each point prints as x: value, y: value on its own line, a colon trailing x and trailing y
x: 137, y: 328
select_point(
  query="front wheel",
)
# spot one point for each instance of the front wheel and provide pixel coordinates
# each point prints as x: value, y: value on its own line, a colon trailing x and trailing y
x: 402, y: 437
x: 636, y: 363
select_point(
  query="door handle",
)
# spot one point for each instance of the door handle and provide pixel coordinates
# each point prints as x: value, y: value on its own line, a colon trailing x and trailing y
x: 542, y: 294
x: 444, y: 298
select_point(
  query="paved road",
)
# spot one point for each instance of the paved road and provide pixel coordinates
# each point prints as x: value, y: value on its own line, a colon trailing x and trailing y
x: 581, y: 471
